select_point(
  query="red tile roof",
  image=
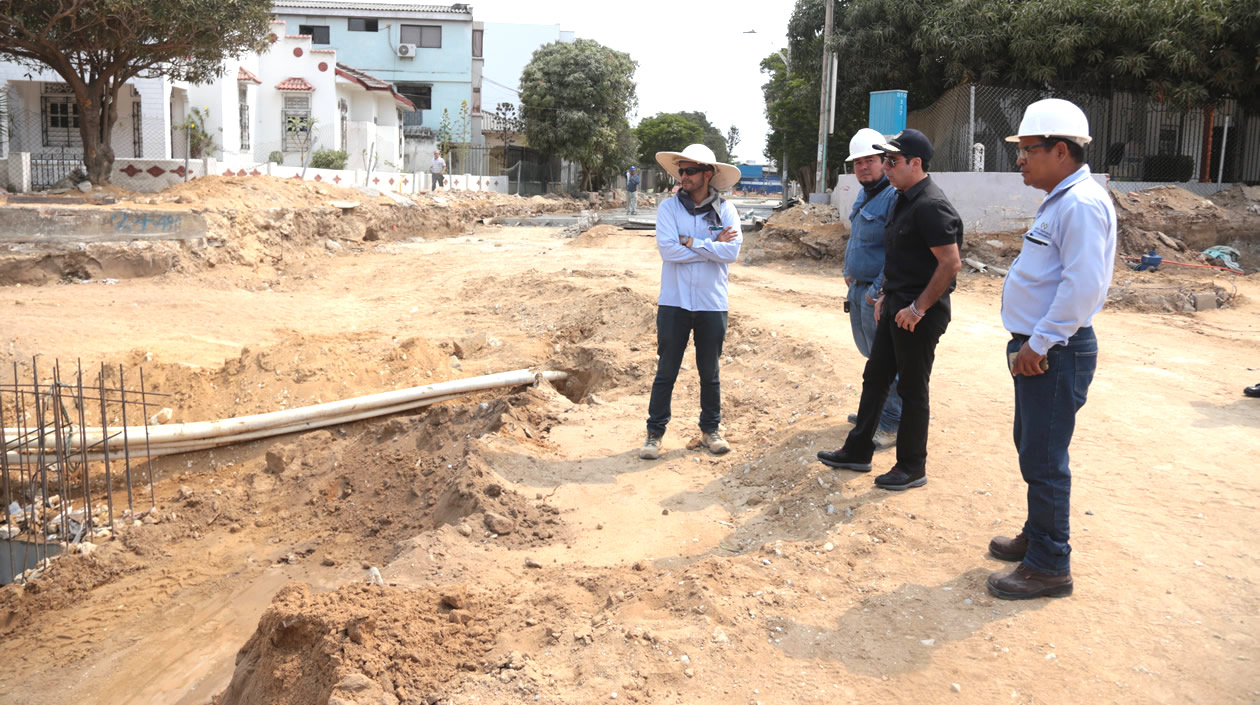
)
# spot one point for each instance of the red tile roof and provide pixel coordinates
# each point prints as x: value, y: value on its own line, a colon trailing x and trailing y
x: 294, y: 84
x: 371, y: 83
x: 243, y: 74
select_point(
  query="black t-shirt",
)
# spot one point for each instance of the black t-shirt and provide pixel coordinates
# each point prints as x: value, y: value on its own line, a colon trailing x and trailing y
x: 922, y: 218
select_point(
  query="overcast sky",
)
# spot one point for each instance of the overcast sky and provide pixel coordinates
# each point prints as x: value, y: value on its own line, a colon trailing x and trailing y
x: 691, y: 55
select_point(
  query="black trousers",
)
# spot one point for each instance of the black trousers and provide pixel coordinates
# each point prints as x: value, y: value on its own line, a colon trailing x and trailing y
x: 674, y: 327
x: 906, y: 356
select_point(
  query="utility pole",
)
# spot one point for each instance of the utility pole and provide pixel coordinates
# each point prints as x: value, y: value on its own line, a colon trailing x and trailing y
x: 785, y: 176
x: 820, y: 180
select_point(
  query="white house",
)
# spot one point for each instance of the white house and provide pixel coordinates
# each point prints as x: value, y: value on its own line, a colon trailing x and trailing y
x: 246, y: 111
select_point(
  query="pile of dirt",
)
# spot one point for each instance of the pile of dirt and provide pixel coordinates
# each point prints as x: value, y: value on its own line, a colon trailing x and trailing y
x: 816, y: 231
x: 267, y: 224
x: 361, y: 644
x: 1197, y: 222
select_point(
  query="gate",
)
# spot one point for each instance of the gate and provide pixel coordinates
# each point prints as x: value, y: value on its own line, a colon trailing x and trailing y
x: 48, y: 169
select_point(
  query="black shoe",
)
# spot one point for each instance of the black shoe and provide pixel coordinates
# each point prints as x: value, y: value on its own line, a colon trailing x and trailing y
x: 1252, y: 391
x: 898, y: 480
x: 853, y: 418
x: 845, y: 460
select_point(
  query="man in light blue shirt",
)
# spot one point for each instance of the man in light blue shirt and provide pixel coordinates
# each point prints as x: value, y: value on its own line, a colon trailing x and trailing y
x: 864, y: 262
x: 1049, y: 299
x: 698, y: 236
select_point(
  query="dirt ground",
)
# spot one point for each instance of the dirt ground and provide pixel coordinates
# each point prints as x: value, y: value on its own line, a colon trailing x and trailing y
x: 528, y: 555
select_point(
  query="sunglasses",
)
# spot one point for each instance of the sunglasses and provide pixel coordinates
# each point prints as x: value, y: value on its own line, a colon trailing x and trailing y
x: 892, y: 161
x: 693, y: 170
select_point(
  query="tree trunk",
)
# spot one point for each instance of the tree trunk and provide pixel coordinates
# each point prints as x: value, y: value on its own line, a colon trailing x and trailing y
x: 97, y: 115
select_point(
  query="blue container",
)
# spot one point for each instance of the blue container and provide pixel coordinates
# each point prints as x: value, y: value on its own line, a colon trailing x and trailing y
x: 1151, y: 261
x: 888, y: 111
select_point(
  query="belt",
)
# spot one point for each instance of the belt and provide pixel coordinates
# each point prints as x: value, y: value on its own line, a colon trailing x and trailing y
x: 1020, y: 337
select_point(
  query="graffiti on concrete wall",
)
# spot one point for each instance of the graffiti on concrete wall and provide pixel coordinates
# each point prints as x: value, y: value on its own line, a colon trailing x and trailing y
x: 146, y: 223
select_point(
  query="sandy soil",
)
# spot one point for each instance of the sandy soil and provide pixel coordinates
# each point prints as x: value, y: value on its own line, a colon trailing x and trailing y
x: 759, y: 576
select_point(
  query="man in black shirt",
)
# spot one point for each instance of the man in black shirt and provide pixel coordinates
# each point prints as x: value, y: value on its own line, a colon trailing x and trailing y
x: 921, y: 259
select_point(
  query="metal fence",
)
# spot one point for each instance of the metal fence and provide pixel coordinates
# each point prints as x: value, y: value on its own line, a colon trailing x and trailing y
x: 1134, y: 138
x: 529, y: 171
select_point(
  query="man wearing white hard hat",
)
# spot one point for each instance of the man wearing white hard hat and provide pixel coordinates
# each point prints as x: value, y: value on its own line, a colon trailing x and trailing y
x: 698, y: 237
x: 1049, y: 299
x: 864, y: 261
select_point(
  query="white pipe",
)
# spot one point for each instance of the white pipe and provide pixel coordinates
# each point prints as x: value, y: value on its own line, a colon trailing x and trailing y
x: 201, y: 435
x: 276, y: 419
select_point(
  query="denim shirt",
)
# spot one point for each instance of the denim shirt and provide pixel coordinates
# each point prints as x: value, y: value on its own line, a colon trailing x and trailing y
x: 864, y: 255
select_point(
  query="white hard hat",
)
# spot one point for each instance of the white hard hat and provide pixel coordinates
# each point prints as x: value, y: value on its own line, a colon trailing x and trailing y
x: 1054, y: 117
x: 863, y: 144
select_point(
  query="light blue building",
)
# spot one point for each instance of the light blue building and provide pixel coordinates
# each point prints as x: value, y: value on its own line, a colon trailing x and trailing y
x: 431, y: 53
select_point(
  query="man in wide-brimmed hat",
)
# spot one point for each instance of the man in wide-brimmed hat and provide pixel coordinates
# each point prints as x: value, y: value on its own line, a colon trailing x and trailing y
x: 698, y: 236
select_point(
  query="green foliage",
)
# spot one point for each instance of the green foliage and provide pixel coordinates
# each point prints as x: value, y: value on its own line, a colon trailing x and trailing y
x: 1188, y: 53
x: 445, y: 133
x: 506, y: 122
x: 328, y: 159
x: 200, y: 142
x: 665, y: 132
x: 575, y: 100
x: 276, y: 157
x: 301, y: 129
x: 732, y: 139
x: 96, y: 46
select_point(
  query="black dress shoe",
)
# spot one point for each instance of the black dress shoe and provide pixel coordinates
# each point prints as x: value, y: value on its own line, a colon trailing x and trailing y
x: 845, y: 460
x: 898, y: 480
x: 1024, y: 583
x: 1252, y: 391
x: 1006, y: 549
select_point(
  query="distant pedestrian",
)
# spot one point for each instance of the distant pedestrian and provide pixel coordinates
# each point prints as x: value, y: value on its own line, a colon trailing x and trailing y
x: 438, y: 169
x: 698, y: 236
x: 864, y: 262
x: 1053, y: 291
x: 921, y: 259
x: 632, y: 191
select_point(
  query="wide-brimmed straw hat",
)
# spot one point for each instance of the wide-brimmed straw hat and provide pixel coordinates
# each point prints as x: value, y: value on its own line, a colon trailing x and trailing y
x: 724, y: 175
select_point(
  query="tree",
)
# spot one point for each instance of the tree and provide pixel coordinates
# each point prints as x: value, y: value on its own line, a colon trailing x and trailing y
x: 445, y: 133
x: 505, y: 123
x: 575, y: 100
x: 712, y: 137
x: 96, y: 46
x: 732, y: 139
x: 665, y: 132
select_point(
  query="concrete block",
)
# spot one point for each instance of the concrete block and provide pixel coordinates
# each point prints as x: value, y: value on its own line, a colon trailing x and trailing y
x: 52, y: 226
x: 1203, y: 302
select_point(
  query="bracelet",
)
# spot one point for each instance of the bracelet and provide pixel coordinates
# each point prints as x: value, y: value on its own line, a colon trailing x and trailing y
x: 915, y: 311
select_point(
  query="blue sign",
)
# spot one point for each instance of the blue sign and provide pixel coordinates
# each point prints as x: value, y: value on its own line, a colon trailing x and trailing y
x: 888, y: 112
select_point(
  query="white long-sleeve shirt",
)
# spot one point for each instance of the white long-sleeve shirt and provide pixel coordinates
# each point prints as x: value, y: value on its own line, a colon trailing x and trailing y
x: 1060, y: 279
x: 695, y: 278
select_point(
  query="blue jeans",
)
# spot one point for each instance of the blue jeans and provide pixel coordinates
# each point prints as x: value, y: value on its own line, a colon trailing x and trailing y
x: 632, y: 202
x: 674, y: 327
x: 1045, y: 416
x: 862, y: 319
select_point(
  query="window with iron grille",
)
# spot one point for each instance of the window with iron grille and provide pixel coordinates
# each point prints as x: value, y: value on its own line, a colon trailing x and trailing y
x: 425, y: 36
x: 60, y: 120
x: 317, y: 33
x: 359, y: 24
x: 243, y: 102
x: 137, y: 130
x: 297, y: 107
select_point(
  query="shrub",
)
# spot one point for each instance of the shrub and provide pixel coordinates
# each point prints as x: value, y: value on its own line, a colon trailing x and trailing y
x: 328, y: 159
x: 276, y: 157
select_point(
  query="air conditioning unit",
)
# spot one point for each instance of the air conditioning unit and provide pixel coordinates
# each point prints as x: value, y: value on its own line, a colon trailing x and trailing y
x: 407, y: 50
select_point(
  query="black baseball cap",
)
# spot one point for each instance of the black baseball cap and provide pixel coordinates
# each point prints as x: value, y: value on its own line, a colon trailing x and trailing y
x: 911, y: 143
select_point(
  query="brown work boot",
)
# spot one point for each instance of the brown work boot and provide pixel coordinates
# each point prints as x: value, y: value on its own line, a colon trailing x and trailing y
x: 1006, y: 549
x: 1024, y: 583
